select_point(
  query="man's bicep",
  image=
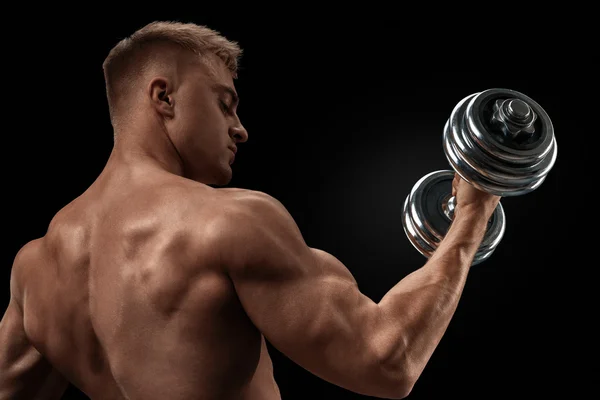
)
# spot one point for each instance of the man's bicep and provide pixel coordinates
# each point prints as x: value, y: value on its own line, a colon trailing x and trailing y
x: 306, y: 302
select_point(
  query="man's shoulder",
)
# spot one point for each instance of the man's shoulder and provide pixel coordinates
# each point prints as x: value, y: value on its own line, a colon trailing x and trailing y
x: 249, y: 202
x: 247, y: 218
x: 254, y: 232
x: 26, y: 259
x: 219, y: 202
x: 250, y: 209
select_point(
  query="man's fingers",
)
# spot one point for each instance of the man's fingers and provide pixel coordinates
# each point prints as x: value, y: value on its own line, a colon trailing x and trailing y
x: 455, y: 184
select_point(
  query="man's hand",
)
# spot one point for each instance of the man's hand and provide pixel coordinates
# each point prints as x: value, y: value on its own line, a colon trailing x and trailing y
x: 467, y: 196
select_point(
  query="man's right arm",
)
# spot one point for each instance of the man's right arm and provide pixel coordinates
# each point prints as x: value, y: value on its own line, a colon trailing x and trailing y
x: 308, y: 305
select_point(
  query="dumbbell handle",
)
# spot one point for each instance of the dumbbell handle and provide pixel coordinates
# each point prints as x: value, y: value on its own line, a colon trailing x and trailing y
x: 448, y: 206
x: 428, y: 212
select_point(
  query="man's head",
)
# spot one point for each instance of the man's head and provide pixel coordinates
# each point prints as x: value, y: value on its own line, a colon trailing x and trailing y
x: 170, y: 85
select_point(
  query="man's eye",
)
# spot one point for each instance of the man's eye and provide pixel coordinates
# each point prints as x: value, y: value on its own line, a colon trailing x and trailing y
x: 224, y: 106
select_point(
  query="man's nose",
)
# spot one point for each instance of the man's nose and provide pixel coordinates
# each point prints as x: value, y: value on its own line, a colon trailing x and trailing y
x: 239, y: 133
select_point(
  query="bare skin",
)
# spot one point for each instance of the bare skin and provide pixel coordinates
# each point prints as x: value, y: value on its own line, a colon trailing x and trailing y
x: 155, y: 285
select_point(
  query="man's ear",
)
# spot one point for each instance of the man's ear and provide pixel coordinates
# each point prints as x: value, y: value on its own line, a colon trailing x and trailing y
x: 160, y: 91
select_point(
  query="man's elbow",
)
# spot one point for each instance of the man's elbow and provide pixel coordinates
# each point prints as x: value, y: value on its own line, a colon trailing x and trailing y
x: 395, y: 377
x: 396, y: 383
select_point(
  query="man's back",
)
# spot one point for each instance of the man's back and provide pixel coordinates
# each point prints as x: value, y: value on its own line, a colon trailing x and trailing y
x: 152, y: 286
x: 126, y: 297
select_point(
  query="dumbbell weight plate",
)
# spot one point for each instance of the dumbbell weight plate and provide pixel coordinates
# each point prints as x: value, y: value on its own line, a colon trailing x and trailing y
x: 426, y: 223
x: 479, y: 151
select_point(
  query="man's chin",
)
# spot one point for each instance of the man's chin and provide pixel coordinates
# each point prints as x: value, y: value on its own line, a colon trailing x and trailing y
x: 224, y: 178
x: 218, y: 177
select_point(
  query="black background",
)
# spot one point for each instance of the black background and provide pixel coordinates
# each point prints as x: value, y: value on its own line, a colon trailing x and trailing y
x: 344, y: 115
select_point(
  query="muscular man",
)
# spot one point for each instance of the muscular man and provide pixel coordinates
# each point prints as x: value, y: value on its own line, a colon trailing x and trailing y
x: 159, y: 283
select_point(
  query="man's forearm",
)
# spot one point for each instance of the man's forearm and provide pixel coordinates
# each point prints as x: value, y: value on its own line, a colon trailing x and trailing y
x: 417, y: 310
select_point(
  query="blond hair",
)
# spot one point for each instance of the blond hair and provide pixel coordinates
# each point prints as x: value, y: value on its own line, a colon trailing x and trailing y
x: 128, y: 57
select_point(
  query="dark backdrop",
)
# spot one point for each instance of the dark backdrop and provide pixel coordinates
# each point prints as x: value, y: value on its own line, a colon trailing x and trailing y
x: 344, y: 116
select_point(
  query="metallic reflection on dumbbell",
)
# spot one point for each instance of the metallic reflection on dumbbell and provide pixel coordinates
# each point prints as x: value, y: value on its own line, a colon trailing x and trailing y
x: 500, y: 141
x: 428, y: 211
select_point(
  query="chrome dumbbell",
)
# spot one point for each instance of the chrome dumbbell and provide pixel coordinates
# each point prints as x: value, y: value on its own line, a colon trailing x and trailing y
x: 498, y: 140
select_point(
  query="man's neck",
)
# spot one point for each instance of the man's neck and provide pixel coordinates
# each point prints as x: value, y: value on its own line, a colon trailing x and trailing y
x: 150, y: 147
